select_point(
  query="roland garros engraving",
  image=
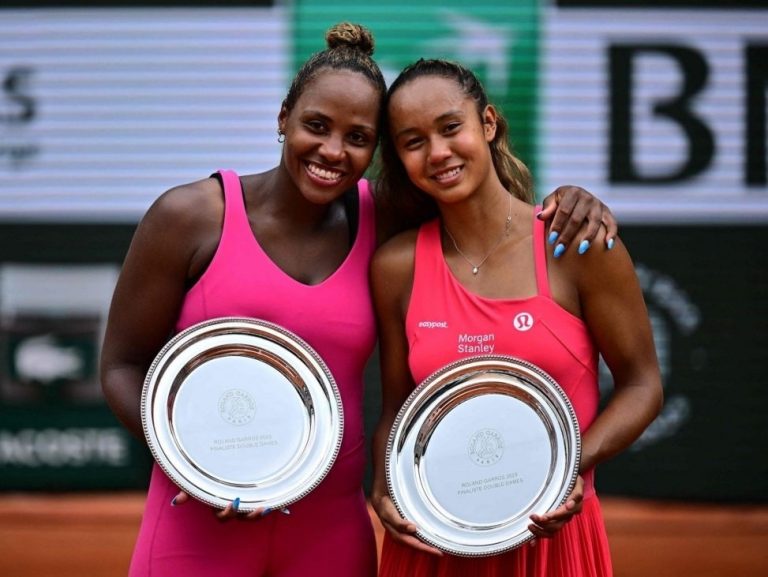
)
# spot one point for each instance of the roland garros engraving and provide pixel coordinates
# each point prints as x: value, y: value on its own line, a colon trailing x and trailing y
x: 486, y: 447
x: 237, y: 407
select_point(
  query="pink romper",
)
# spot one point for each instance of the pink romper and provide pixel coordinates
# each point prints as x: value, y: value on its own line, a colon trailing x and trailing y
x: 328, y: 532
x: 446, y: 322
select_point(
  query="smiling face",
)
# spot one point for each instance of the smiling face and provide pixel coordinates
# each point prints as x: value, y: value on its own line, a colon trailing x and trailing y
x: 440, y: 138
x: 330, y: 134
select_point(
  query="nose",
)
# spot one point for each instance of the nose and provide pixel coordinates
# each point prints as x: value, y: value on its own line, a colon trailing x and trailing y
x: 438, y: 150
x: 332, y: 148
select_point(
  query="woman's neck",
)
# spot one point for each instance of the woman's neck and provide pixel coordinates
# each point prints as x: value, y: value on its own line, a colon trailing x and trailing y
x: 274, y: 195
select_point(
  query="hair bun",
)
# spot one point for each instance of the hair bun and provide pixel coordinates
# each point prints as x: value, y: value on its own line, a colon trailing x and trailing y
x: 353, y: 36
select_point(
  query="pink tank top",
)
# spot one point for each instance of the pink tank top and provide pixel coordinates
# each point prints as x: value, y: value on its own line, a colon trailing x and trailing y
x: 446, y: 322
x: 334, y: 317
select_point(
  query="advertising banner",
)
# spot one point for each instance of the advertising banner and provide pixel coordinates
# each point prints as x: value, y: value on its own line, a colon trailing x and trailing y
x: 103, y: 108
x: 662, y: 111
x: 55, y: 430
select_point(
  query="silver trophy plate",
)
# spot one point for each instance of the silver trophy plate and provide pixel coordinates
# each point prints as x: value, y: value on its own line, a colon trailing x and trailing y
x: 239, y: 407
x: 478, y: 447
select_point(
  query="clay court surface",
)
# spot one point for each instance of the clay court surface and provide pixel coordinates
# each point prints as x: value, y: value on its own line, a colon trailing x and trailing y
x: 91, y: 535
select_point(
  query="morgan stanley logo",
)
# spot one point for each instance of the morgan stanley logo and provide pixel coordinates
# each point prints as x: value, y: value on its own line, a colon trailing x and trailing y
x: 523, y: 321
x: 433, y: 324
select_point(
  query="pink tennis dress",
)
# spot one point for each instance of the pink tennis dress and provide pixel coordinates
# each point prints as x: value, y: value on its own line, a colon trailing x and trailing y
x: 446, y: 322
x: 328, y: 532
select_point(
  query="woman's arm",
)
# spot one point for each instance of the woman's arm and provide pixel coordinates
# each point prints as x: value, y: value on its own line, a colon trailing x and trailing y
x: 172, y: 246
x: 613, y: 308
x: 391, y: 282
x: 573, y: 213
x: 167, y: 243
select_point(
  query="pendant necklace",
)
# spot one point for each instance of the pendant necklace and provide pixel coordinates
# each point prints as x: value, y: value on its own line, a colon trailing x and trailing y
x: 504, y: 233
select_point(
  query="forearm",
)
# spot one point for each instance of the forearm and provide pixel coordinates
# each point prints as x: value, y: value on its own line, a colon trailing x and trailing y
x: 628, y: 413
x: 122, y: 388
x: 379, y: 453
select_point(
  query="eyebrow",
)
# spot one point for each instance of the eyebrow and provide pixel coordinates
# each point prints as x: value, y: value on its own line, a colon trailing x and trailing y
x: 444, y: 116
x: 322, y: 116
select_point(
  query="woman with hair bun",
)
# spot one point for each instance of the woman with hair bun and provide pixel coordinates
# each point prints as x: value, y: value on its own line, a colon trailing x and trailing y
x: 291, y: 246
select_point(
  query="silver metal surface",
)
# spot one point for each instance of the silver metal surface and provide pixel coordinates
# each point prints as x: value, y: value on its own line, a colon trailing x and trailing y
x: 478, y: 447
x: 239, y: 407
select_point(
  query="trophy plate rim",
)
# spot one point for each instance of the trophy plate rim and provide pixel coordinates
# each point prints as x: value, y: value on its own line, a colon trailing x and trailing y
x: 306, y: 385
x: 521, y: 391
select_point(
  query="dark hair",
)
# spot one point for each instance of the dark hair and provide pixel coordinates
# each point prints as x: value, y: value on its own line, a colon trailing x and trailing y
x: 397, y: 191
x: 350, y: 47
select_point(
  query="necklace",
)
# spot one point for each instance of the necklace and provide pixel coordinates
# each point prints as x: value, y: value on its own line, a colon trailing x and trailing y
x: 504, y: 233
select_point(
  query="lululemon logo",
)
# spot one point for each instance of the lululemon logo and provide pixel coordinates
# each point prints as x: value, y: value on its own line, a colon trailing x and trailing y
x: 523, y: 321
x: 237, y: 407
x: 486, y: 447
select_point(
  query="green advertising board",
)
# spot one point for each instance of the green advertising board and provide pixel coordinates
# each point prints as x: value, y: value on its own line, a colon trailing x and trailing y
x: 496, y: 39
x: 56, y: 432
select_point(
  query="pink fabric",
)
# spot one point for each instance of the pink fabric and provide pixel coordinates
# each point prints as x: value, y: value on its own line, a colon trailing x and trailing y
x: 446, y: 322
x: 580, y: 549
x: 329, y: 531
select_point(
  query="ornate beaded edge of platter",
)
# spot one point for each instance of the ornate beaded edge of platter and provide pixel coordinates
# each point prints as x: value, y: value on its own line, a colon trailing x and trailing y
x: 324, y: 433
x: 462, y: 375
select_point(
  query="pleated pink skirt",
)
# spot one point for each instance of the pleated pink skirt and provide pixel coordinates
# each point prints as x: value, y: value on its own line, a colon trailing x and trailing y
x: 579, y: 549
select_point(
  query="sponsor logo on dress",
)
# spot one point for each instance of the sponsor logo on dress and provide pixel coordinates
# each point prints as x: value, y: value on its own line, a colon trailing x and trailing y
x: 523, y: 321
x: 477, y: 344
x: 433, y: 324
x: 237, y: 407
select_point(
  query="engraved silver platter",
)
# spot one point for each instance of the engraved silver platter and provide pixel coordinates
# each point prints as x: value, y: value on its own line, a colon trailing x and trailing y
x: 242, y: 408
x: 478, y: 447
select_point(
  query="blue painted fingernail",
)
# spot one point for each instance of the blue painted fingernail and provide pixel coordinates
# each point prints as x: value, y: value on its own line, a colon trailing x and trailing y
x: 583, y: 246
x: 173, y: 502
x: 553, y: 237
x: 559, y: 249
x: 236, y: 504
x: 266, y: 512
x: 610, y: 243
x: 285, y: 511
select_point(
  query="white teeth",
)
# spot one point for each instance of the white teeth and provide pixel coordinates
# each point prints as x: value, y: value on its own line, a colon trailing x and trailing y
x: 324, y: 173
x: 448, y: 174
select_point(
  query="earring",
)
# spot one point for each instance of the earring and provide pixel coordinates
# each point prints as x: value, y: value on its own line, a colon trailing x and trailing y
x: 280, y: 136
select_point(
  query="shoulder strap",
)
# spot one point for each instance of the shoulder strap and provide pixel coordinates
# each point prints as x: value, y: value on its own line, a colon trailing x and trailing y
x: 233, y: 191
x: 424, y: 269
x: 366, y: 214
x: 235, y: 226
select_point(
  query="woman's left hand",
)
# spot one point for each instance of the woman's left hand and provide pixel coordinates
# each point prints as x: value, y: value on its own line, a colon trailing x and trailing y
x: 545, y: 526
x: 230, y: 511
x: 576, y: 216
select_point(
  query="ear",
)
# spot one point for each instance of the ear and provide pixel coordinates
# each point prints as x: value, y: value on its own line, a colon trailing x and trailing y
x: 282, y: 117
x: 489, y: 122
